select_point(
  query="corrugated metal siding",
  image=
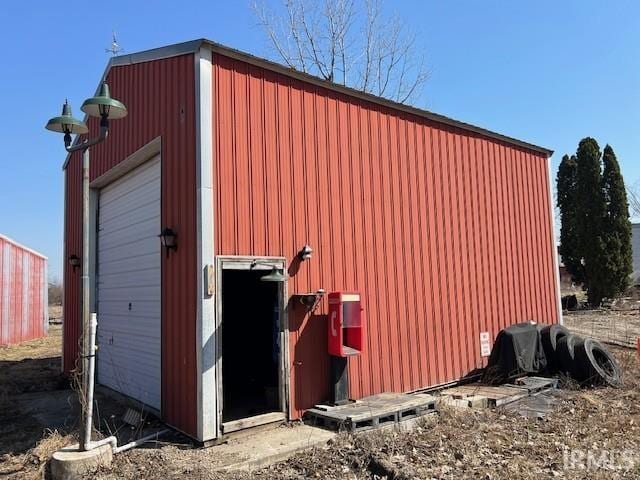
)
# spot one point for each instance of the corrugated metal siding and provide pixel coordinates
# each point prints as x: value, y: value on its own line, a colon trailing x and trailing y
x: 446, y: 233
x: 23, y: 283
x: 160, y: 97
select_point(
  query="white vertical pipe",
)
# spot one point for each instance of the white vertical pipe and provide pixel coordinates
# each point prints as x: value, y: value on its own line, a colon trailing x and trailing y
x: 90, y: 378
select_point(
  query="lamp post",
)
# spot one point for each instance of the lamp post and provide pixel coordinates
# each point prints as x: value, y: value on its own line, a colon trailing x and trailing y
x: 105, y: 108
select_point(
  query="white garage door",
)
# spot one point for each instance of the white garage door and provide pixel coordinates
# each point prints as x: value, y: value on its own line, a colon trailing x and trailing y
x: 128, y: 279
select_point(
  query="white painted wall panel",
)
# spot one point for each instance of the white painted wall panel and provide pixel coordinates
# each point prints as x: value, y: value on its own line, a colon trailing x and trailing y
x: 129, y: 289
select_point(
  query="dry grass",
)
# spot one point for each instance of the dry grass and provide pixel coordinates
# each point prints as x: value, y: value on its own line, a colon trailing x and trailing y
x: 32, y: 366
x: 28, y: 367
x: 618, y: 327
x: 486, y: 444
x: 493, y: 444
x: 49, y: 346
x: 456, y: 444
x: 55, y: 314
x: 33, y: 464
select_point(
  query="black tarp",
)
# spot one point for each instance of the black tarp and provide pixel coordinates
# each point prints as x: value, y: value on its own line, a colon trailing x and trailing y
x: 517, y: 351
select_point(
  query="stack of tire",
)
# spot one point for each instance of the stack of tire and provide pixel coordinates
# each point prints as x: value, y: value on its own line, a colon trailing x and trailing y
x: 587, y: 361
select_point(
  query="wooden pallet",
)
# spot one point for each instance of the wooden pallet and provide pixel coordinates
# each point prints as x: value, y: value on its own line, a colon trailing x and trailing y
x: 372, y: 412
x: 495, y: 395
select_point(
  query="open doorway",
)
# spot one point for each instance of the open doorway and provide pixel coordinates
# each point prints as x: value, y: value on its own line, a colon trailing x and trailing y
x: 250, y: 344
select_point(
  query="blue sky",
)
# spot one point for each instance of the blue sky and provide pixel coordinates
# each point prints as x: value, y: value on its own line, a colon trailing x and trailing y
x: 548, y: 72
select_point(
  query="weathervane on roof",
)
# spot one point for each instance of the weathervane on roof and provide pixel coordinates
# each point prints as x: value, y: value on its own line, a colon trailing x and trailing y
x: 114, y: 48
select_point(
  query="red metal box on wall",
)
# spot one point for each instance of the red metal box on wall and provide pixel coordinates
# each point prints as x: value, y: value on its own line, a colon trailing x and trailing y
x: 345, y: 324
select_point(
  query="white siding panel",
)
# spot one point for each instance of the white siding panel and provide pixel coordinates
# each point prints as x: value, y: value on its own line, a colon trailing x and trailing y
x: 129, y: 285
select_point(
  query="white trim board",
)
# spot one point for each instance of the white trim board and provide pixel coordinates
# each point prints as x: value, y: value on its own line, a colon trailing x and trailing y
x: 206, y: 353
x: 137, y: 158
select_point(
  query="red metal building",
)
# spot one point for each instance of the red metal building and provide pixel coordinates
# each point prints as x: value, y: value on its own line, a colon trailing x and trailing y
x: 445, y: 230
x: 24, y: 313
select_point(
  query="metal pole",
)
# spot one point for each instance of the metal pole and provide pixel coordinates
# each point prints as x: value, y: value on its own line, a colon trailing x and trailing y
x: 85, y: 428
x: 87, y: 344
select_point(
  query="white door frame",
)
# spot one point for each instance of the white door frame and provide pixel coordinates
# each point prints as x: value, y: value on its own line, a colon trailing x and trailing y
x: 252, y: 263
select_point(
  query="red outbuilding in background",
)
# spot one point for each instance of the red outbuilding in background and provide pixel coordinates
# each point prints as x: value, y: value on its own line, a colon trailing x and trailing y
x: 23, y: 293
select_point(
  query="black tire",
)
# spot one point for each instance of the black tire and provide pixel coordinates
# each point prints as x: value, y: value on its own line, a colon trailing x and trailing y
x: 565, y: 354
x: 550, y: 335
x: 595, y: 364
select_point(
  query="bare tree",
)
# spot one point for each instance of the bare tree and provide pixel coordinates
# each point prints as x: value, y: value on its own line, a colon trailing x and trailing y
x: 633, y: 197
x: 55, y: 291
x: 348, y: 42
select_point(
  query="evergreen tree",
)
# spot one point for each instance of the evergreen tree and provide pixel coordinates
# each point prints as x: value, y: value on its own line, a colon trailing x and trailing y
x: 566, y: 184
x: 591, y: 210
x: 617, y: 226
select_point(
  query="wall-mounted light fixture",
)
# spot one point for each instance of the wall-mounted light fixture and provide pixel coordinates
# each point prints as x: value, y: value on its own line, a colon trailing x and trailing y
x: 305, y: 252
x: 311, y: 300
x: 169, y: 239
x: 74, y: 261
x: 275, y: 275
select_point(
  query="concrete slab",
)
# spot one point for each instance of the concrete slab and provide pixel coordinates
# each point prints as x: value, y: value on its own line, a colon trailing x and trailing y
x: 267, y: 447
x: 71, y: 464
x: 477, y: 401
x: 454, y: 402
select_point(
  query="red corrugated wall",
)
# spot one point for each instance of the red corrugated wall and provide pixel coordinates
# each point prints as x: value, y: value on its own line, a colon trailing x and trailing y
x: 445, y: 232
x: 160, y: 97
x: 23, y: 309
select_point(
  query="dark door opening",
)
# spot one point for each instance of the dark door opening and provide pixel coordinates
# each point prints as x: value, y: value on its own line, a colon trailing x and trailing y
x: 250, y: 344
